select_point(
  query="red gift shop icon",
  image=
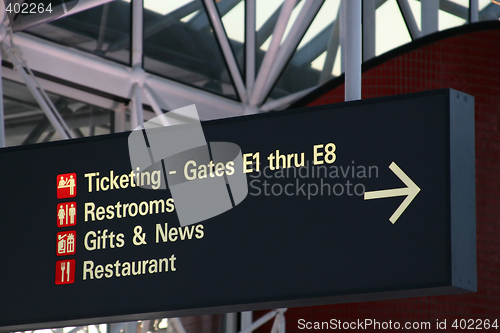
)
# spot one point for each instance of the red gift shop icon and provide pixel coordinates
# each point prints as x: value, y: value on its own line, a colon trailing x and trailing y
x: 66, y: 243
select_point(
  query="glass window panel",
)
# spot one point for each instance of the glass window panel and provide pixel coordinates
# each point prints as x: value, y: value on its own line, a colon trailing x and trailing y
x: 453, y: 13
x: 416, y: 8
x: 267, y: 13
x: 489, y: 10
x: 391, y: 30
x: 234, y: 25
x: 26, y: 123
x: 483, y: 4
x: 308, y: 61
x: 187, y: 52
x: 102, y: 30
x: 464, y: 3
x: 293, y: 17
x: 324, y: 18
x: 165, y: 7
x: 448, y: 21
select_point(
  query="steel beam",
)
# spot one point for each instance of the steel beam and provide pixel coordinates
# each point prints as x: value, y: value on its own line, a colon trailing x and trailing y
x: 369, y: 29
x: 490, y: 12
x: 109, y: 77
x: 200, y: 21
x: 159, y: 24
x: 63, y: 132
x: 353, y: 50
x: 176, y: 322
x: 261, y: 321
x: 343, y: 28
x: 64, y: 90
x: 2, y: 122
x: 257, y: 94
x: 3, y: 34
x: 137, y: 116
x: 429, y: 18
x: 331, y: 51
x: 289, y: 45
x: 84, y: 5
x: 409, y: 18
x: 267, y: 28
x: 102, y: 27
x: 250, y: 43
x: 227, y: 52
x: 313, y: 49
x: 454, y: 8
x: 156, y: 108
x: 283, y: 102
x: 473, y: 11
x: 137, y: 29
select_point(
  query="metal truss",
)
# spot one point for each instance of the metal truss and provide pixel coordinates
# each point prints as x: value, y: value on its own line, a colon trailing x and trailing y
x: 108, y: 78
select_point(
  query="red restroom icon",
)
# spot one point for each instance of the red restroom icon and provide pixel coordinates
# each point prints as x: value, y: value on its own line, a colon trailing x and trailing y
x: 66, y: 185
x: 66, y: 214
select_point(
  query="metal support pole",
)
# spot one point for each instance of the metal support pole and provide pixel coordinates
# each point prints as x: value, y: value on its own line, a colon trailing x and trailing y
x: 261, y: 321
x: 246, y: 321
x: 409, y: 18
x: 275, y: 328
x: 342, y: 17
x: 102, y: 28
x: 250, y: 44
x: 429, y: 16
x: 156, y: 108
x: 176, y: 322
x: 454, y: 9
x: 283, y: 102
x: 3, y: 33
x: 227, y: 52
x: 257, y: 95
x: 119, y: 122
x: 145, y: 326
x: 353, y: 50
x: 281, y: 321
x: 137, y: 117
x: 230, y: 323
x: 473, y: 11
x: 137, y: 26
x: 49, y: 102
x: 369, y: 26
x: 289, y: 45
x: 331, y: 51
x: 2, y: 121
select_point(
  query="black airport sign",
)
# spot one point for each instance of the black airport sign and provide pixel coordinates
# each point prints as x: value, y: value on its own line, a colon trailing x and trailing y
x: 357, y: 201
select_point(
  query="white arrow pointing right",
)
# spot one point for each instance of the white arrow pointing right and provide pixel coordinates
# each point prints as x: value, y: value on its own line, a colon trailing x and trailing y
x: 410, y: 191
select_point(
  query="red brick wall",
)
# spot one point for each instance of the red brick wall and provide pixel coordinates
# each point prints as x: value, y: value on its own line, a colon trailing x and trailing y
x: 469, y: 63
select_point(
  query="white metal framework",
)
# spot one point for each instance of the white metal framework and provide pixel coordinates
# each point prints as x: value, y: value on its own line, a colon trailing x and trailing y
x: 105, y: 77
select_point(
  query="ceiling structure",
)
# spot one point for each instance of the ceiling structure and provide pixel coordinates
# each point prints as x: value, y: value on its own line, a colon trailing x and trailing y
x: 229, y: 57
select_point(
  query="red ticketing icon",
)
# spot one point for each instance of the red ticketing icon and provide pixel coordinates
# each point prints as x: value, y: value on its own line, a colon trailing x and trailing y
x: 66, y: 214
x: 65, y: 271
x: 66, y: 185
